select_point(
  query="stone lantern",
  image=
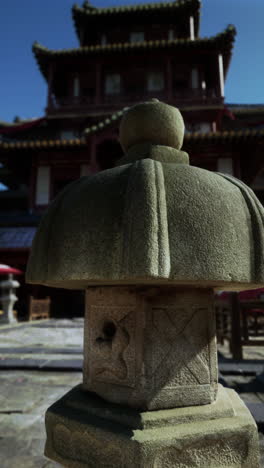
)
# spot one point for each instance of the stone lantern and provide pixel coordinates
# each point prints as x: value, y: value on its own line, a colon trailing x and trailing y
x: 150, y: 241
x: 7, y: 294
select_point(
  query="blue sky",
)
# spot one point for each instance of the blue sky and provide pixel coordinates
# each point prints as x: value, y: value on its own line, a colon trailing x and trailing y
x: 23, y: 90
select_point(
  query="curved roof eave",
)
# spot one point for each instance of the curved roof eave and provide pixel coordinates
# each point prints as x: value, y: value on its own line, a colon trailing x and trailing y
x: 223, y: 42
x: 41, y: 144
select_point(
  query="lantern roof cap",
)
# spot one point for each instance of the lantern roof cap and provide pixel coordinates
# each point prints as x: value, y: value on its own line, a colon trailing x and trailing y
x: 153, y: 219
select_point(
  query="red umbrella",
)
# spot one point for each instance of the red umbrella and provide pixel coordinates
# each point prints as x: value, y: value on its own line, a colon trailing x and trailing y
x: 6, y: 269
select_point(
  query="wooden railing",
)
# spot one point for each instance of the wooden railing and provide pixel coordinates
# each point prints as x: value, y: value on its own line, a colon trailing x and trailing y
x: 239, y: 322
x: 117, y: 101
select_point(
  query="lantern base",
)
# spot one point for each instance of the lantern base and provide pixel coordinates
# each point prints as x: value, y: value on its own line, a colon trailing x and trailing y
x: 83, y: 430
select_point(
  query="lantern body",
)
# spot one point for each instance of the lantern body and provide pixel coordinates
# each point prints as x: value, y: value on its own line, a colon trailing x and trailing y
x: 150, y: 241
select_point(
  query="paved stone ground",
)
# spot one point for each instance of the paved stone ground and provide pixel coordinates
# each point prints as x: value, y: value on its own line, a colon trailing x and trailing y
x: 41, y: 361
x: 25, y: 396
x: 26, y: 393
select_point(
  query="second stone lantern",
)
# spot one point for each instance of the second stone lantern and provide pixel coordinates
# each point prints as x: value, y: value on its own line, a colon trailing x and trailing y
x: 150, y: 241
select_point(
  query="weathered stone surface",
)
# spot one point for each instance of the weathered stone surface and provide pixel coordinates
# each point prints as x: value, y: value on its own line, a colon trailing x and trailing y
x: 150, y: 348
x: 152, y: 121
x: 21, y: 395
x: 88, y: 403
x: 151, y: 220
x: 80, y: 434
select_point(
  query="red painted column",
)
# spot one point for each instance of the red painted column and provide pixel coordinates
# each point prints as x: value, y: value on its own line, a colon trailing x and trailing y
x: 98, y: 83
x: 169, y: 80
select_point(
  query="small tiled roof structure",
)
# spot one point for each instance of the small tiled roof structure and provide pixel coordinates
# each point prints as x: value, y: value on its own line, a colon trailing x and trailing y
x: 21, y: 125
x: 41, y: 144
x: 90, y: 10
x: 246, y: 108
x: 230, y: 135
x: 222, y: 42
x: 6, y: 269
x: 88, y: 14
x: 16, y: 237
x: 189, y: 137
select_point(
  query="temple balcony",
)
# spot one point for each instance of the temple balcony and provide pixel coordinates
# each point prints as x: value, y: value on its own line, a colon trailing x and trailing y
x: 109, y: 103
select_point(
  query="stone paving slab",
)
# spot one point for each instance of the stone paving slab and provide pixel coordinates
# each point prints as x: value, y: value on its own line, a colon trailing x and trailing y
x: 59, y: 323
x: 46, y: 345
x: 45, y: 323
x: 241, y: 367
x: 24, y: 454
x: 22, y: 429
x: 52, y: 363
x: 249, y: 352
x: 50, y: 379
x: 40, y: 350
x: 257, y: 411
x: 23, y: 395
x: 25, y: 398
x: 36, y: 336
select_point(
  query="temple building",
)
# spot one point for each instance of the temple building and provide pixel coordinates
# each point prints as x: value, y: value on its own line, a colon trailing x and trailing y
x: 126, y: 55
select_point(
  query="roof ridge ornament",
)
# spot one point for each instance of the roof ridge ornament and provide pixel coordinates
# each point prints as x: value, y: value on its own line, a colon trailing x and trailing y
x: 149, y: 221
x: 87, y: 5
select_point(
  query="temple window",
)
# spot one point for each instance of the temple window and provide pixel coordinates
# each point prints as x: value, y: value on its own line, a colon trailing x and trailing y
x: 85, y: 170
x: 171, y: 34
x: 201, y: 127
x: 60, y: 184
x: 155, y: 81
x: 137, y: 36
x: 67, y: 134
x: 205, y: 127
x: 76, y: 86
x: 225, y: 165
x: 181, y: 79
x: 43, y: 185
x: 195, y: 78
x: 103, y: 39
x: 107, y: 153
x: 258, y: 182
x: 112, y: 84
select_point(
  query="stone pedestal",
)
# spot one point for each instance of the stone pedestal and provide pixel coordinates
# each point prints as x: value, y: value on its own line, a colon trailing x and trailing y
x: 84, y: 431
x: 150, y: 348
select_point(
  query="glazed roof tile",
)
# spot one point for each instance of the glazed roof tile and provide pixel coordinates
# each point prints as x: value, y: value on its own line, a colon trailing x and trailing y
x: 41, y: 144
x: 230, y: 135
x: 189, y: 138
x: 16, y: 237
x: 246, y: 108
x: 89, y: 10
x: 221, y: 42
